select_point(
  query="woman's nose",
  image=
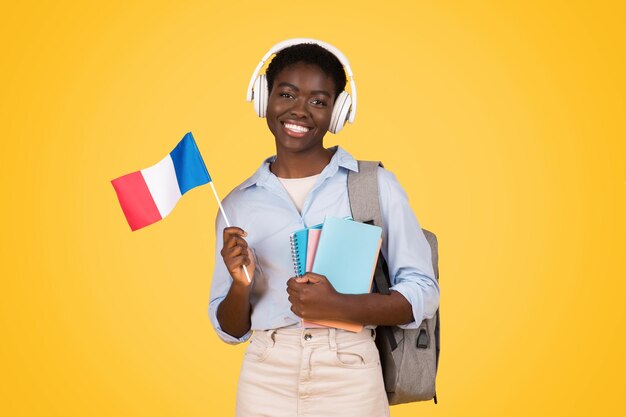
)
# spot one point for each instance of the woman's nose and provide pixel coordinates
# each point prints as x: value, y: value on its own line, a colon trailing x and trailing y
x: 299, y: 108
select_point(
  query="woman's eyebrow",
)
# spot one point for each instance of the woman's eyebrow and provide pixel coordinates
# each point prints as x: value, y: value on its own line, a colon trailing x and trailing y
x: 293, y: 87
x: 321, y: 92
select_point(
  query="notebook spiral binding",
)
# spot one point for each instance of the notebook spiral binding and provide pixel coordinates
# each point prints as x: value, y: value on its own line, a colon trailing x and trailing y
x: 294, y: 255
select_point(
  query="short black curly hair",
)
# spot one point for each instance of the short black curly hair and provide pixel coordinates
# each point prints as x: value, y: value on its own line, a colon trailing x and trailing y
x: 309, y: 53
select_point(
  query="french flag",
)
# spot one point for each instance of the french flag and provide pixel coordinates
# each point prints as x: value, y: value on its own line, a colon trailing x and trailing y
x: 149, y: 195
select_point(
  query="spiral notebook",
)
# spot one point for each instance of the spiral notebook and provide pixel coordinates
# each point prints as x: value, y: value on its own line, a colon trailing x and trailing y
x: 298, y: 241
x: 300, y: 252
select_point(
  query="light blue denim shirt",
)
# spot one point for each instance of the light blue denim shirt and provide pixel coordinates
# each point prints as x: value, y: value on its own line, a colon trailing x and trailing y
x: 262, y: 207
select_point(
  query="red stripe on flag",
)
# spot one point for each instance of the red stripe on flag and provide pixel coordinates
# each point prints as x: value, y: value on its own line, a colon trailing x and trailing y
x: 136, y: 200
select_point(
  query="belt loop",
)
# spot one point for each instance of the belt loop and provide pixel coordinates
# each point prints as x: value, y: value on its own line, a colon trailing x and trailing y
x: 270, y: 337
x: 332, y: 342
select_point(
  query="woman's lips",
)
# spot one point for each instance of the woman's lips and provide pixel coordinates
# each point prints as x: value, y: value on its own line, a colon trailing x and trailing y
x: 295, y: 130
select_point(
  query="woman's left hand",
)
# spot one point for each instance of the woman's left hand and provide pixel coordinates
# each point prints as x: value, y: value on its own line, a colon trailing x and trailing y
x: 313, y: 297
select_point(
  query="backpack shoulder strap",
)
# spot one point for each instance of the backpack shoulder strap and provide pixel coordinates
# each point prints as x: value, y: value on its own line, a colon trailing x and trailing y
x: 365, y: 207
x: 434, y: 250
x: 363, y: 192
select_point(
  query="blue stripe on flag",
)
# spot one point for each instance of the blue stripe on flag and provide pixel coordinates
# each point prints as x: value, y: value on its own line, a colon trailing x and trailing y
x: 188, y: 164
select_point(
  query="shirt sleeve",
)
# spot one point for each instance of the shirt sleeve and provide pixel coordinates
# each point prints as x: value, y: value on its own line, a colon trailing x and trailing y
x: 221, y: 284
x: 406, y: 251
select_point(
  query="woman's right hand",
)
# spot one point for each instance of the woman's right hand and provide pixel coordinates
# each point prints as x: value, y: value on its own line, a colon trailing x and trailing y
x: 237, y: 254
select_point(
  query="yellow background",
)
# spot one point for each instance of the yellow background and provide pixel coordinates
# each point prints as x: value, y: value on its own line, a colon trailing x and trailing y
x: 505, y: 122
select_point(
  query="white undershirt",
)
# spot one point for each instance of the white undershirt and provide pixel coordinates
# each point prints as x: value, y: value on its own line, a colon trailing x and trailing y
x: 298, y: 188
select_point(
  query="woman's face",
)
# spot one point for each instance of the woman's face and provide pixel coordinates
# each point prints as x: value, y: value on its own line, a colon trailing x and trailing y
x: 299, y: 107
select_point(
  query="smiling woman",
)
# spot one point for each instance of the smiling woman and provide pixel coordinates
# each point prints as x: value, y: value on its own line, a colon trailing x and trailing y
x: 288, y: 369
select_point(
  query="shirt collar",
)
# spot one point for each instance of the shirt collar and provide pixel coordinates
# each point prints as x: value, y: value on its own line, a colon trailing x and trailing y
x: 341, y: 158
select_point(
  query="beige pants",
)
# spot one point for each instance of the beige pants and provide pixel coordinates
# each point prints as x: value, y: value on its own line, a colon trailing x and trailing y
x: 312, y: 373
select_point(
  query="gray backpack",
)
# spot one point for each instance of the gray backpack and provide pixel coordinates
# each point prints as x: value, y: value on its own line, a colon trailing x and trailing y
x: 409, y: 358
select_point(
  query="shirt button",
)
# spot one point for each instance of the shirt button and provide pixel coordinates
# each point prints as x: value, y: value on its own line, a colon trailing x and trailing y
x: 308, y: 337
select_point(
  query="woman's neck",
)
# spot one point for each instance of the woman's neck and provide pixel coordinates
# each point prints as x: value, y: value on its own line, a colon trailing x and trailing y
x: 300, y: 164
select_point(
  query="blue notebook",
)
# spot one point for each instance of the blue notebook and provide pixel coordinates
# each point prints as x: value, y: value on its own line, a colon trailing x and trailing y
x: 347, y: 253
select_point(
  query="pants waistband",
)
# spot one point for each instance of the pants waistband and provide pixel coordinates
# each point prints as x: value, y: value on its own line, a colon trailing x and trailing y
x: 312, y: 337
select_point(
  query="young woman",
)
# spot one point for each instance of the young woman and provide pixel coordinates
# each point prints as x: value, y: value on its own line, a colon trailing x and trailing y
x: 289, y: 370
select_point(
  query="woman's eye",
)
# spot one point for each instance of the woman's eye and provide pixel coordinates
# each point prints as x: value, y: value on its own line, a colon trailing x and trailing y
x: 286, y: 95
x: 318, y: 102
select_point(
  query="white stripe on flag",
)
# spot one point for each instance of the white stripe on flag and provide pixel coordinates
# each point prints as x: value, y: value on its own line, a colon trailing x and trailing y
x: 163, y: 185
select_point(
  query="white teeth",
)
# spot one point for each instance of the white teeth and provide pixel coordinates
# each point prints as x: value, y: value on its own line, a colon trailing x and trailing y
x: 296, y: 128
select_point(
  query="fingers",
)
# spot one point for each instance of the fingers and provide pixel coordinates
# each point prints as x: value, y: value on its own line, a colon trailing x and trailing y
x: 237, y: 254
x: 292, y: 290
x: 234, y: 236
x: 234, y: 243
x: 236, y: 270
x: 294, y: 297
x: 295, y: 283
x: 239, y: 249
x: 234, y: 230
x: 244, y: 258
x: 293, y: 287
x: 311, y: 278
x: 240, y: 260
x: 315, y: 278
x: 308, y: 278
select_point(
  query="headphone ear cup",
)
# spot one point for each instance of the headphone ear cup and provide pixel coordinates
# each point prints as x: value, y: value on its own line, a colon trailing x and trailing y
x: 259, y: 95
x: 341, y: 111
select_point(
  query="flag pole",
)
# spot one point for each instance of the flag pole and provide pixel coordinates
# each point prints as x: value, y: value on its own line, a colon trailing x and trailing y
x: 219, y: 203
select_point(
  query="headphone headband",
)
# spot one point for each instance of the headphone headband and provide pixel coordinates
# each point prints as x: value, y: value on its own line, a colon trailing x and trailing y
x: 296, y: 41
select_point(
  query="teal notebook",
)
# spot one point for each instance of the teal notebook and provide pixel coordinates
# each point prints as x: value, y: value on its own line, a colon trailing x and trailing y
x: 347, y: 253
x: 299, y: 241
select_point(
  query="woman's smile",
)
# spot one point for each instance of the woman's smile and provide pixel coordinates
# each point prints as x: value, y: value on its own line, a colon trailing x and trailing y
x: 295, y: 129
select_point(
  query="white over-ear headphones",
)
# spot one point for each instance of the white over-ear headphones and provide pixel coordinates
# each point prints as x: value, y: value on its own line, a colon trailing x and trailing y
x: 344, y: 108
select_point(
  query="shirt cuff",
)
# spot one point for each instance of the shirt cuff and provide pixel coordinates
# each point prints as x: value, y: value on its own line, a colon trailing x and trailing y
x: 417, y: 304
x: 231, y: 340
